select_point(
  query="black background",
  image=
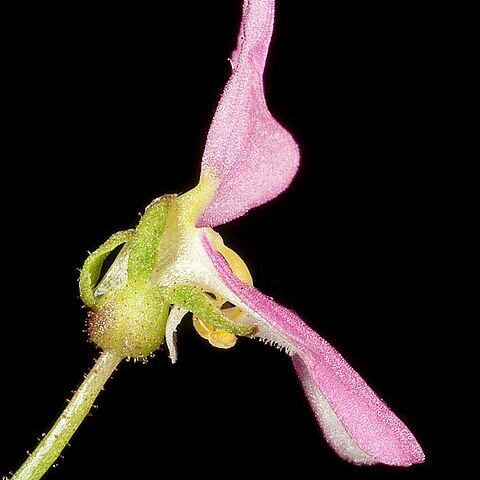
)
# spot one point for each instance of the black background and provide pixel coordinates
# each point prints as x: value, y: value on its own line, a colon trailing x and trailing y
x: 108, y: 109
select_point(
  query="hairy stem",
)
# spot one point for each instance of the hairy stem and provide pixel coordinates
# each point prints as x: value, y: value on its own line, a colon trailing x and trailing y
x: 52, y: 444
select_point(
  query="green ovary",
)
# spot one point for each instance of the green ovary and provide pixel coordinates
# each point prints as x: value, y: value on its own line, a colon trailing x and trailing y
x: 131, y: 322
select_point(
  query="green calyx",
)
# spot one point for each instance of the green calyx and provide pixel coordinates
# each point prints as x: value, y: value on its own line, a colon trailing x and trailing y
x: 129, y: 306
x: 198, y: 302
x: 130, y: 322
x: 143, y: 255
x: 90, y: 273
x: 128, y: 312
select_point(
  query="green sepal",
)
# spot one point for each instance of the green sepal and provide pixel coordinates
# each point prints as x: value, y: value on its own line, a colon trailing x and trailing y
x: 144, y: 250
x: 131, y: 321
x: 92, y: 267
x: 197, y: 302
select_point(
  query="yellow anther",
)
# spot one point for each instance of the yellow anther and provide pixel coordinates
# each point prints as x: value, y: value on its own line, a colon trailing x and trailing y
x: 203, y: 328
x: 222, y: 339
x: 217, y: 338
x: 232, y: 313
x: 233, y: 259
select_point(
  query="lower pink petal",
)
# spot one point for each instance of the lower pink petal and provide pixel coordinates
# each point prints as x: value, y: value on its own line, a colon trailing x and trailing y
x: 355, y: 421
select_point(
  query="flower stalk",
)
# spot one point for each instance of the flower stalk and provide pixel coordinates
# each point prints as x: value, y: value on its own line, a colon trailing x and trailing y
x: 53, y: 443
x: 173, y: 262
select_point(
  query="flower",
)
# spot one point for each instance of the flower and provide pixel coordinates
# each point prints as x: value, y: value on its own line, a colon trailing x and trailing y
x: 174, y: 263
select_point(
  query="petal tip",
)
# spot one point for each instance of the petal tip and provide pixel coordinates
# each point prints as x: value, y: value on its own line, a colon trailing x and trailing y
x: 252, y: 156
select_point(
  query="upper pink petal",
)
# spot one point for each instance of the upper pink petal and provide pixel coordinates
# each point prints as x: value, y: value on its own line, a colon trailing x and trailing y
x: 354, y: 420
x: 252, y: 157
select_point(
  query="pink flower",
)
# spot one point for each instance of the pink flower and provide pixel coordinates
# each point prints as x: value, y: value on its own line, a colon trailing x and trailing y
x: 248, y: 160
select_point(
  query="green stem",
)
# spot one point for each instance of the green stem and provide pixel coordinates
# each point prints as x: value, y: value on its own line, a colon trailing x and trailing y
x: 51, y: 446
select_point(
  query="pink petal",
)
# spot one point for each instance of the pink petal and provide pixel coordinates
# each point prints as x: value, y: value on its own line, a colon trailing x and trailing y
x: 354, y: 420
x: 251, y: 156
